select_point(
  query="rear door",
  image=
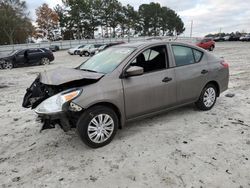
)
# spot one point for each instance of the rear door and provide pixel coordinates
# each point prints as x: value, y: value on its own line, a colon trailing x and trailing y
x: 191, y: 72
x: 34, y: 56
x: 155, y: 89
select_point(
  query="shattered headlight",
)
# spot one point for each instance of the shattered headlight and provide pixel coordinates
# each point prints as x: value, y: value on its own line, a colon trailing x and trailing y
x: 54, y: 104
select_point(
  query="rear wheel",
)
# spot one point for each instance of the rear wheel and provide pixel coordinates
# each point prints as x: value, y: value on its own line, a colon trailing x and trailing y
x: 207, y: 98
x: 45, y: 61
x: 97, y: 126
x: 211, y: 48
x: 7, y: 65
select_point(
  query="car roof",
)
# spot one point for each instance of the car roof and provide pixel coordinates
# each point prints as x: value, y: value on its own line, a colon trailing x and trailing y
x: 149, y: 43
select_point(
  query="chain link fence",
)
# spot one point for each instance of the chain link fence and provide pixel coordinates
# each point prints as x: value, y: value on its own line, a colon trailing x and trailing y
x: 66, y: 44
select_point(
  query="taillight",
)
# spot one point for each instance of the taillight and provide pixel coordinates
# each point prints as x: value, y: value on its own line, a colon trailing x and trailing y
x: 224, y: 64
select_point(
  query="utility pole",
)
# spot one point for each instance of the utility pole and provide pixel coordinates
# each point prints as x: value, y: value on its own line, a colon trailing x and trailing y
x: 191, y: 30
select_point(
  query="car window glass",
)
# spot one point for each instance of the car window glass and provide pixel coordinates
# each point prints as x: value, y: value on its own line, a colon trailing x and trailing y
x: 151, y: 59
x: 153, y: 54
x: 107, y: 60
x: 21, y: 52
x: 31, y: 51
x: 197, y: 55
x: 146, y: 54
x: 183, y: 55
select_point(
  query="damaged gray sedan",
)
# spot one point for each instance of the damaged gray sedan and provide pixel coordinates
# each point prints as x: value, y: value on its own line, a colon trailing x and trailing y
x: 124, y: 83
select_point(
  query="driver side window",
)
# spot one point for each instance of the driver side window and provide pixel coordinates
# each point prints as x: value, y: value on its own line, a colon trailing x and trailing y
x: 152, y: 59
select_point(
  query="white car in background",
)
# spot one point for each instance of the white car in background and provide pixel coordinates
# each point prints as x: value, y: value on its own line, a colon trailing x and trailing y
x: 90, y: 49
x: 76, y: 50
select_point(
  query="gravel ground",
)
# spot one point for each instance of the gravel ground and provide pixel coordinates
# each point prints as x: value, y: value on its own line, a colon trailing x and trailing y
x: 182, y: 148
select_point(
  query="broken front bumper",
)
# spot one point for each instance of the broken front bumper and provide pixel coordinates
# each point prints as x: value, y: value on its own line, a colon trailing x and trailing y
x: 67, y: 118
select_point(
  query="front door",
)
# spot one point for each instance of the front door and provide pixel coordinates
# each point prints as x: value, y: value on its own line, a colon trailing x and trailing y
x: 155, y: 89
x: 21, y: 58
x: 34, y: 56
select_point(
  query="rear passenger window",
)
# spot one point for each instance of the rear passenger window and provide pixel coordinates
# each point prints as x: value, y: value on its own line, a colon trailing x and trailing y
x: 183, y: 55
x: 186, y: 56
x: 197, y: 55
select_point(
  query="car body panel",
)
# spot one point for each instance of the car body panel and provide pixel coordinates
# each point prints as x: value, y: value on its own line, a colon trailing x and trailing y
x: 65, y: 75
x: 146, y: 93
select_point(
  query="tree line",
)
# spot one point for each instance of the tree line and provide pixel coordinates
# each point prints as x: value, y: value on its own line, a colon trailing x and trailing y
x: 79, y: 19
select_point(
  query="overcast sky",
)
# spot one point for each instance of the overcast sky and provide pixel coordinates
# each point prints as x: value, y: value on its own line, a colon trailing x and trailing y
x: 209, y: 16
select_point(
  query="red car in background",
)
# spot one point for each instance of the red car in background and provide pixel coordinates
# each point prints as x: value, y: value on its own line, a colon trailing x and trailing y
x: 206, y: 43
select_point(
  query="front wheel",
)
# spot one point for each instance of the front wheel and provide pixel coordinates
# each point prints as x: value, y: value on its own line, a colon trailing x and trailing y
x: 7, y: 65
x: 207, y: 98
x: 97, y: 126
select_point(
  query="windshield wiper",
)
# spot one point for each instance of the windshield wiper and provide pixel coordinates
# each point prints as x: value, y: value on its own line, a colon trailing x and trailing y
x: 89, y: 70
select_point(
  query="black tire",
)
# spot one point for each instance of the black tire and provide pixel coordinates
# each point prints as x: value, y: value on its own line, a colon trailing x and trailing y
x: 85, y: 121
x: 45, y: 61
x: 211, y: 48
x: 86, y: 54
x: 7, y: 65
x: 201, y: 103
x: 75, y: 52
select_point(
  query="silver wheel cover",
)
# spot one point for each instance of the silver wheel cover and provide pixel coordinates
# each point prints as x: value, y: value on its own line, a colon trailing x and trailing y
x: 100, y: 128
x: 209, y: 97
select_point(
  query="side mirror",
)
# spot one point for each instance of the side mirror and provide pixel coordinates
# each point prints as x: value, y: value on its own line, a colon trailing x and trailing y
x: 134, y: 71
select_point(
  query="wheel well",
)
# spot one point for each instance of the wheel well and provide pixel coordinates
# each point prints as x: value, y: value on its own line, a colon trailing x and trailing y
x: 113, y: 107
x: 216, y: 85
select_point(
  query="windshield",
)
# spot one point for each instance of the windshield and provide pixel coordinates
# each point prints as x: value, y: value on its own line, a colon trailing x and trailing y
x: 13, y: 52
x: 87, y: 46
x: 107, y: 60
x: 102, y: 47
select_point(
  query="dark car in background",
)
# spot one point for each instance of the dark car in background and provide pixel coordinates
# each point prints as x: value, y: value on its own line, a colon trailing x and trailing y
x: 231, y: 38
x: 26, y: 57
x: 54, y: 48
x: 206, y: 43
x: 219, y: 39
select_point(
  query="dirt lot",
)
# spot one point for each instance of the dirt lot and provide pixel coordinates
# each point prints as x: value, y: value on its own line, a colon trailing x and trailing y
x: 182, y: 148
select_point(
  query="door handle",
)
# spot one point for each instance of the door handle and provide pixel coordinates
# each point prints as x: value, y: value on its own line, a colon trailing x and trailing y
x: 204, y: 71
x: 166, y: 79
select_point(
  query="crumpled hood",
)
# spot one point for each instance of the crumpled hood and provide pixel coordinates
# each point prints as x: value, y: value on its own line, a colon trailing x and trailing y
x: 62, y: 75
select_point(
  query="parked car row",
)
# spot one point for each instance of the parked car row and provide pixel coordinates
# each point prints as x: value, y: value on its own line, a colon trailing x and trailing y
x: 91, y: 49
x: 232, y: 38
